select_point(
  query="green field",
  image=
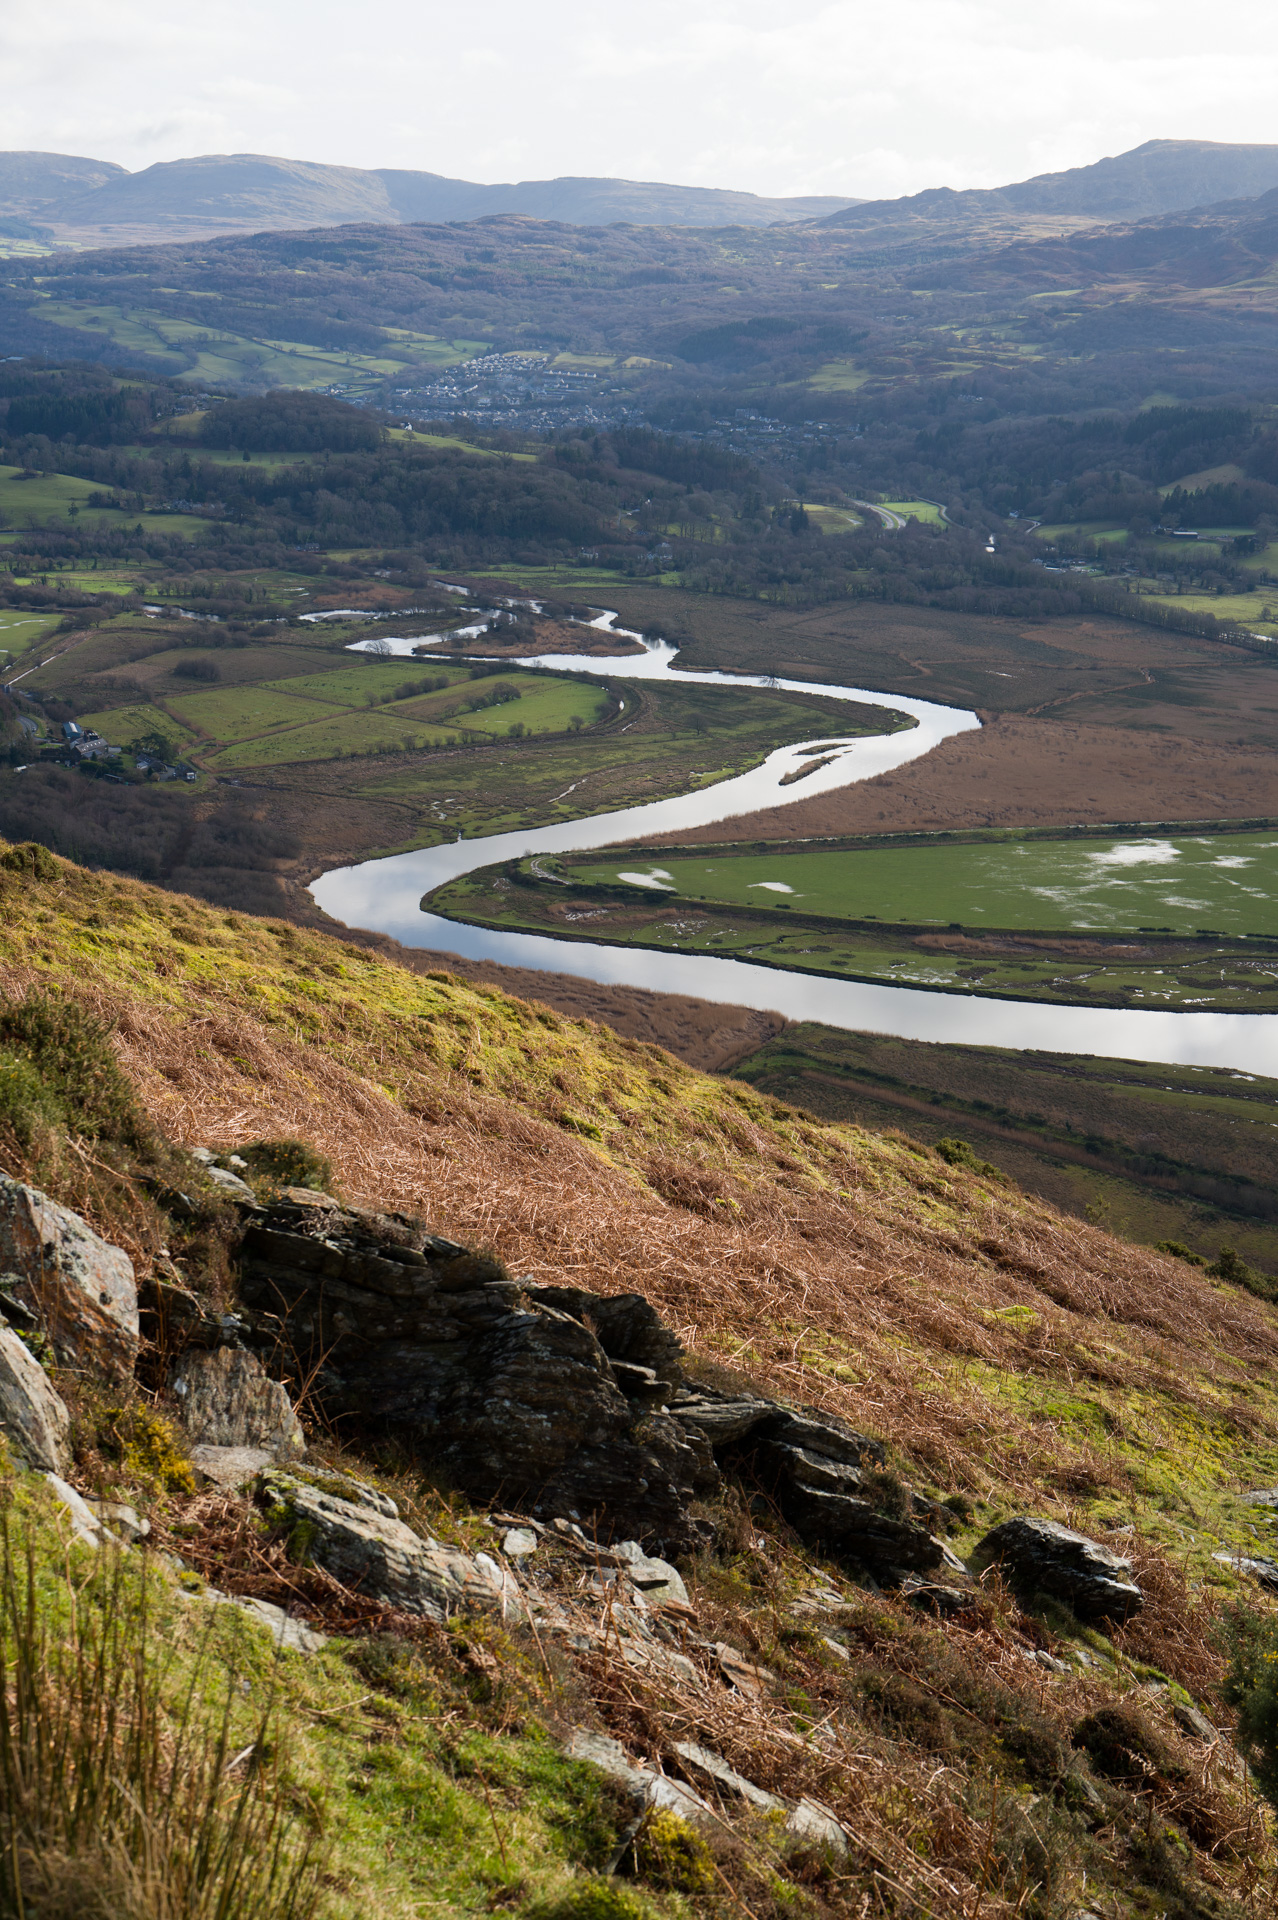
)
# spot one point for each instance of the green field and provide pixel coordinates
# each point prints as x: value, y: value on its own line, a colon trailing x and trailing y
x: 926, y: 510
x: 302, y: 729
x: 120, y: 725
x: 202, y: 350
x: 61, y: 496
x: 19, y: 631
x: 1088, y: 922
x: 326, y: 716
x: 833, y: 519
x: 1227, y: 883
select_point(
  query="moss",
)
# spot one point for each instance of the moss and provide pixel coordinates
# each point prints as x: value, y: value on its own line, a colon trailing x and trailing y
x: 672, y: 1854
x: 148, y: 1448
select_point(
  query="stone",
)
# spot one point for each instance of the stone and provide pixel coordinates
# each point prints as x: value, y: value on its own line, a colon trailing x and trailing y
x: 518, y: 1542
x: 1260, y: 1567
x: 380, y: 1557
x: 657, y: 1580
x: 85, y: 1525
x: 62, y: 1279
x: 740, y: 1673
x: 125, y: 1523
x: 495, y: 1383
x: 1195, y: 1724
x: 716, y: 1769
x: 651, y: 1789
x: 231, y: 1183
x: 230, y: 1467
x: 225, y: 1399
x: 1044, y: 1557
x: 294, y: 1635
x: 32, y: 1417
x: 812, y: 1821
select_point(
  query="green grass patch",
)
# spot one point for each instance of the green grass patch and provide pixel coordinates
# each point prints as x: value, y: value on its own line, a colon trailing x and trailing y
x: 926, y: 510
x: 1225, y: 882
x: 202, y: 350
x: 119, y: 725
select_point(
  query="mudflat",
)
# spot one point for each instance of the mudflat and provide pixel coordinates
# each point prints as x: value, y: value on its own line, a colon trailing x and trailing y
x: 1019, y: 772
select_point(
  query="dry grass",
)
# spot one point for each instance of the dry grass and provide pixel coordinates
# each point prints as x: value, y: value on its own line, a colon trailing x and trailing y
x: 1005, y: 1349
x: 1030, y: 1360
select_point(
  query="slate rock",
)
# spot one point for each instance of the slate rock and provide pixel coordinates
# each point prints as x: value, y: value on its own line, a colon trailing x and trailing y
x: 230, y: 1467
x: 496, y: 1385
x: 382, y: 1558
x: 715, y: 1769
x: 62, y: 1278
x: 650, y: 1789
x: 230, y: 1183
x: 1043, y: 1556
x: 225, y: 1399
x: 656, y: 1580
x: 1260, y: 1567
x: 32, y: 1417
x: 85, y: 1524
x: 812, y: 1821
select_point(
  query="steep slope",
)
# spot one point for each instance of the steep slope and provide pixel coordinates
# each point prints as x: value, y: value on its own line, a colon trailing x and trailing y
x: 1161, y: 176
x: 1012, y: 1361
x: 843, y: 1266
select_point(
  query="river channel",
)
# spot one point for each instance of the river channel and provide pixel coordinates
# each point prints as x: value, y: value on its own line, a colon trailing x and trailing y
x: 385, y: 895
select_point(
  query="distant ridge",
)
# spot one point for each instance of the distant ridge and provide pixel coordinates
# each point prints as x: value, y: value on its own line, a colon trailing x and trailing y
x: 94, y: 203
x: 1162, y: 176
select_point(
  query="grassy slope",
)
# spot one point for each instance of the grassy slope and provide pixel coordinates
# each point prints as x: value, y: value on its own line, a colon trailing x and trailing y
x: 1029, y: 1361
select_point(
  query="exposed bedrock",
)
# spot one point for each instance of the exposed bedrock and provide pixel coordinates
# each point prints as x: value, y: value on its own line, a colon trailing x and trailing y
x: 573, y: 1403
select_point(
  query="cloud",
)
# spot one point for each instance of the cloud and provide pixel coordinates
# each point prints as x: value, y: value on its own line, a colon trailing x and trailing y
x: 825, y: 95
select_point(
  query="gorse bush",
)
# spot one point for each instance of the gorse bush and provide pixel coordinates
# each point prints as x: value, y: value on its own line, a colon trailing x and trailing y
x: 288, y: 1163
x: 125, y: 1794
x: 57, y: 1068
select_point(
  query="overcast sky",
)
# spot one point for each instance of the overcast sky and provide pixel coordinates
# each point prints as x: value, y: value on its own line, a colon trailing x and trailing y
x: 777, y: 96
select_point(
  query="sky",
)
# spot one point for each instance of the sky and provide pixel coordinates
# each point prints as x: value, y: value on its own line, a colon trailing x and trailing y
x: 772, y: 96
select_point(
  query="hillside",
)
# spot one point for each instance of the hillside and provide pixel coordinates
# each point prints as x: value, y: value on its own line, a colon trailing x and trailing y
x: 1161, y: 176
x: 89, y: 202
x: 976, y: 1752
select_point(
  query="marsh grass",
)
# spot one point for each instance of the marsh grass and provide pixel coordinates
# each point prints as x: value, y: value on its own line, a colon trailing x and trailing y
x: 127, y: 1788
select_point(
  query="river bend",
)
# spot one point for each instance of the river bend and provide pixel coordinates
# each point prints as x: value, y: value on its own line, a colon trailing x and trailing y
x: 385, y: 895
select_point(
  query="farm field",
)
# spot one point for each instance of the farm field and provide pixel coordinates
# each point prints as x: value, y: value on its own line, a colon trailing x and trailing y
x: 351, y: 755
x: 202, y: 350
x: 1224, y: 883
x: 925, y: 510
x: 61, y: 496
x: 20, y: 630
x: 653, y: 898
x: 1152, y: 1152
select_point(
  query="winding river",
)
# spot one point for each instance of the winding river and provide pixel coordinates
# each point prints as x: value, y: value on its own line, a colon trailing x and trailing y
x: 386, y: 894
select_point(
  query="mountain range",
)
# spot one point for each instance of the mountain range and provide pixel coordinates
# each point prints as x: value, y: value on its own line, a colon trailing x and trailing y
x: 91, y: 203
x: 95, y: 203
x: 1162, y: 176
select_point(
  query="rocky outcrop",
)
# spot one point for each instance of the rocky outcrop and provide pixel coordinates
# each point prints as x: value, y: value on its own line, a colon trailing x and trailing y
x: 32, y: 1418
x: 571, y: 1403
x: 824, y: 1478
x: 501, y: 1386
x: 355, y: 1533
x: 59, y: 1278
x: 226, y: 1398
x: 1040, y: 1556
